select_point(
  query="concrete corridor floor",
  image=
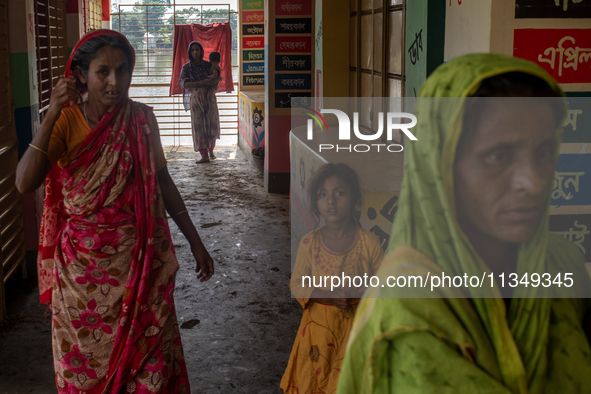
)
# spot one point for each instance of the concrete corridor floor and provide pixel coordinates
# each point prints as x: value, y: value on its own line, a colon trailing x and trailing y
x: 242, y: 322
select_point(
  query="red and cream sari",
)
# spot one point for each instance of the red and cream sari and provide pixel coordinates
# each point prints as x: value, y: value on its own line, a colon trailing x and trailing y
x: 107, y: 265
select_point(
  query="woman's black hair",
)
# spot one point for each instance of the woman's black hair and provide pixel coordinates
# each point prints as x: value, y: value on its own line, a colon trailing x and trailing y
x: 347, y: 175
x: 88, y: 51
x: 214, y: 57
x: 200, y: 47
x: 513, y: 84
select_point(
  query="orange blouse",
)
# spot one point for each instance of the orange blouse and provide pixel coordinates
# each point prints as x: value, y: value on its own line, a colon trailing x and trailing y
x: 71, y: 129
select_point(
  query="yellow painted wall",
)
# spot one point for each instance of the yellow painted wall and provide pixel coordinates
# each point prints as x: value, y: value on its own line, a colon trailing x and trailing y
x: 331, y: 49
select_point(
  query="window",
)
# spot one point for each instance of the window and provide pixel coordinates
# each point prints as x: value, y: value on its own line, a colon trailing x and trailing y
x: 376, y: 53
x: 52, y: 51
x: 91, y: 14
x: 377, y: 36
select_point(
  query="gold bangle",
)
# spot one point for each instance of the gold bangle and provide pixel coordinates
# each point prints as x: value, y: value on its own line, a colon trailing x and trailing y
x: 39, y: 149
x: 178, y: 213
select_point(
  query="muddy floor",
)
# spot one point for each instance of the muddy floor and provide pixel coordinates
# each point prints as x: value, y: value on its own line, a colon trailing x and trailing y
x: 238, y: 328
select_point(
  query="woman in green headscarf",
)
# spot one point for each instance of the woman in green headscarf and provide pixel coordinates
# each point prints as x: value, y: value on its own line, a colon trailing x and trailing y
x: 475, y: 200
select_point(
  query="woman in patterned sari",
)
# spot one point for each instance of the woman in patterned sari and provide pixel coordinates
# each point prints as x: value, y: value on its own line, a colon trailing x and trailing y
x: 205, y: 122
x: 107, y: 266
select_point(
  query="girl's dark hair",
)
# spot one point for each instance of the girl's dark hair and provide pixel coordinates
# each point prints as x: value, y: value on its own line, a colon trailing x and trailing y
x: 513, y: 84
x: 200, y: 47
x: 214, y: 57
x: 347, y: 175
x: 88, y: 51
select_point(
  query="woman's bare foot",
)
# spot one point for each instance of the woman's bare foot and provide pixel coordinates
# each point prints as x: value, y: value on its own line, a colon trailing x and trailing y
x: 204, y: 160
x: 212, y: 156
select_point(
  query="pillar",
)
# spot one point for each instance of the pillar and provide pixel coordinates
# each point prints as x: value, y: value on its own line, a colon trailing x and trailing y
x: 331, y: 56
x: 251, y: 97
x: 288, y: 40
x: 106, y: 13
x: 23, y: 72
x: 74, y: 22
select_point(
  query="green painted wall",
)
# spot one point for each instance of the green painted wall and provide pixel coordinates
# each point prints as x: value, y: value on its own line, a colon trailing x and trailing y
x: 425, y: 33
x: 435, y: 34
x: 416, y: 23
x: 22, y: 74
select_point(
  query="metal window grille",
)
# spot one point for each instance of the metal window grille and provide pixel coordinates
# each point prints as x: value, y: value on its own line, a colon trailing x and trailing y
x: 149, y: 29
x: 376, y: 66
x: 92, y: 15
x: 52, y: 51
x: 377, y: 34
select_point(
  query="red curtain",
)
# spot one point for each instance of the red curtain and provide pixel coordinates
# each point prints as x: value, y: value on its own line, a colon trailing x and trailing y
x: 214, y: 37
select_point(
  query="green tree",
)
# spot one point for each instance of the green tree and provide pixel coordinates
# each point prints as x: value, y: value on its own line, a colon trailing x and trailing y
x: 144, y: 17
x: 221, y: 15
x: 135, y: 23
x: 155, y: 13
x: 184, y: 16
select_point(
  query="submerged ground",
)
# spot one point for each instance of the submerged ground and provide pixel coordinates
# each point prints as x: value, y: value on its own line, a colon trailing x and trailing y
x: 238, y: 327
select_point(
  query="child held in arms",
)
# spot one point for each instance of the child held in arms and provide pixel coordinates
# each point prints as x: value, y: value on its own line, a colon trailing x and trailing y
x: 212, y: 115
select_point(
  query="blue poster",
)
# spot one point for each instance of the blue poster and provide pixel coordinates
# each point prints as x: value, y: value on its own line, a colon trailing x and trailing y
x: 293, y: 62
x: 253, y: 68
x: 572, y: 180
x: 293, y: 81
x: 577, y: 124
x: 575, y: 228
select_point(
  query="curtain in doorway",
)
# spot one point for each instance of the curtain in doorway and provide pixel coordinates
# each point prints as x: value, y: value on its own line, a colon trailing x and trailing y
x: 214, y: 37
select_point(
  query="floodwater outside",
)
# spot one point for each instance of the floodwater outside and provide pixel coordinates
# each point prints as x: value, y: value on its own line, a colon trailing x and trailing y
x: 149, y: 26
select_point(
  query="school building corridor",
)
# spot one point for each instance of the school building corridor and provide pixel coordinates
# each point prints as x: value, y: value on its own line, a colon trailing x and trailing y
x: 237, y: 329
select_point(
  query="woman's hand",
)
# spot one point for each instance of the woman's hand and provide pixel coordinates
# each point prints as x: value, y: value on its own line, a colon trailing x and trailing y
x: 337, y: 297
x: 175, y: 206
x: 193, y: 85
x: 64, y: 91
x: 210, y: 81
x: 355, y: 292
x: 34, y: 166
x: 204, y: 261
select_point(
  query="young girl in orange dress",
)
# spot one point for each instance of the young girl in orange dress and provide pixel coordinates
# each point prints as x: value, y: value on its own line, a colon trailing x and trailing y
x: 339, y: 248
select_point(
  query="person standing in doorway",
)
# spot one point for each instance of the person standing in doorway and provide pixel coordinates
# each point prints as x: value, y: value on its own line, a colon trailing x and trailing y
x: 194, y: 75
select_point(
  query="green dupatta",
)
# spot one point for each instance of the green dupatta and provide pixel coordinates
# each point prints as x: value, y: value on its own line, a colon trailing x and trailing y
x: 459, y: 345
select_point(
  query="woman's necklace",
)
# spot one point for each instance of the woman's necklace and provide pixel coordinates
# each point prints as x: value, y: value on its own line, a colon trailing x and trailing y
x: 86, y: 117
